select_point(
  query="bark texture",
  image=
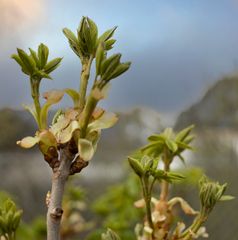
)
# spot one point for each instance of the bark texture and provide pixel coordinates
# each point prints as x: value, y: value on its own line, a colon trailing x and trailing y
x: 55, y: 211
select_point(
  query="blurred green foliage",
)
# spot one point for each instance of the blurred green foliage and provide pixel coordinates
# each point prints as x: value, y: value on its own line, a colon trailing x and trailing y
x: 116, y: 209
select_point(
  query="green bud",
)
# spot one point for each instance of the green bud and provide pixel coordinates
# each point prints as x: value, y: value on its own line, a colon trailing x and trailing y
x: 109, y: 65
x: 136, y: 166
x: 210, y: 193
x: 87, y: 36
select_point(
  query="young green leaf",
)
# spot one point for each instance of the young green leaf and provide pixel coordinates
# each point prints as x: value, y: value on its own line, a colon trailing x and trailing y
x: 43, y: 53
x: 184, y: 133
x: 52, y: 65
x: 100, y: 56
x: 172, y: 146
x: 107, y: 35
x: 34, y: 57
x: 226, y: 198
x: 120, y: 69
x: 27, y: 62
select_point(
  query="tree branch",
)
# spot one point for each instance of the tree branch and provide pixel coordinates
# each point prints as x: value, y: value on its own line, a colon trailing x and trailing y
x: 55, y: 210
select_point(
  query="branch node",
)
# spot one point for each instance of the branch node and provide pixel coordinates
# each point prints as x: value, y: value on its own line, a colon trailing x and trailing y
x: 56, y: 213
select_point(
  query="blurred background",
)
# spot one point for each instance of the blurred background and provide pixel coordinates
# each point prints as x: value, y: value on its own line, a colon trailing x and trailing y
x: 184, y: 57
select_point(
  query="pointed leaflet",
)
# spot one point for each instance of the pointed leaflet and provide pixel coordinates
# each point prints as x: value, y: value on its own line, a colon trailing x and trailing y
x: 107, y: 35
x: 93, y: 33
x: 100, y: 56
x: 173, y: 147
x: 34, y: 57
x: 70, y: 35
x: 184, y: 133
x: 19, y: 61
x: 43, y: 53
x: 120, y: 69
x: 27, y: 61
x: 168, y: 132
x: 226, y: 198
x: 156, y: 138
x: 52, y: 65
x: 109, y: 65
x: 73, y: 41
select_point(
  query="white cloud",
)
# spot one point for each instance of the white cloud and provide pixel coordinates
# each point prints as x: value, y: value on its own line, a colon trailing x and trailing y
x: 19, y: 18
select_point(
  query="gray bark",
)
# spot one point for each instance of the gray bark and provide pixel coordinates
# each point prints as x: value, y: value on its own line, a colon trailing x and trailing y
x: 55, y: 210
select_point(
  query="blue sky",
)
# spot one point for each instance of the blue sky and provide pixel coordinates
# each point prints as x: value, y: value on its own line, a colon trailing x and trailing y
x: 177, y: 47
